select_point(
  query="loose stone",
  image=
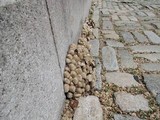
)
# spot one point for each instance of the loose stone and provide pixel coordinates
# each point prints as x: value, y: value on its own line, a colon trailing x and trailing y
x: 69, y: 95
x: 128, y: 102
x: 89, y: 108
x: 121, y: 79
x: 66, y: 88
x: 109, y: 59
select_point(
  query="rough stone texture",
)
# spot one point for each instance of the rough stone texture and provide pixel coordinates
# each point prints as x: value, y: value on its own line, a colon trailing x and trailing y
x: 158, y: 99
x: 95, y: 32
x: 145, y: 48
x: 150, y: 67
x: 107, y: 25
x: 113, y: 43
x: 152, y: 57
x: 125, y: 117
x: 140, y: 37
x: 94, y: 47
x: 128, y: 38
x: 124, y: 18
x: 132, y: 18
x: 96, y: 18
x: 121, y: 79
x: 128, y: 102
x: 31, y: 87
x: 115, y: 17
x: 89, y: 108
x: 126, y: 59
x: 109, y: 59
x: 152, y: 37
x: 105, y: 12
x: 111, y: 35
x: 98, y: 85
x: 152, y: 82
x: 7, y: 2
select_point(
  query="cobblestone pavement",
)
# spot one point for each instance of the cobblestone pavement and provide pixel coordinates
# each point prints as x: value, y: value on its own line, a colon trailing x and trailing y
x: 127, y: 53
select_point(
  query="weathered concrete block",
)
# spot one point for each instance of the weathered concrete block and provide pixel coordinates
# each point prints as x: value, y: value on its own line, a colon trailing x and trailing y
x: 31, y: 53
x: 66, y: 19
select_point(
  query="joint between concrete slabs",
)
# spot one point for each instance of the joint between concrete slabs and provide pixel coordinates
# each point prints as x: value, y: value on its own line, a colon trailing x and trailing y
x: 53, y: 36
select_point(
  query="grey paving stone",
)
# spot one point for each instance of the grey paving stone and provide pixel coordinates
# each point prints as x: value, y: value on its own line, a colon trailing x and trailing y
x: 124, y: 18
x: 96, y: 18
x: 115, y: 17
x: 109, y: 59
x: 94, y: 47
x: 152, y: 57
x: 145, y: 48
x: 126, y: 59
x: 105, y: 12
x: 107, y: 25
x: 156, y: 25
x: 133, y: 18
x: 152, y: 37
x: 140, y: 37
x: 121, y: 79
x: 151, y: 67
x: 110, y: 34
x: 158, y: 99
x: 141, y: 14
x: 95, y: 33
x: 98, y: 85
x: 152, y: 82
x: 89, y: 108
x: 128, y: 102
x: 128, y: 38
x: 114, y: 43
x: 150, y: 14
x: 125, y: 117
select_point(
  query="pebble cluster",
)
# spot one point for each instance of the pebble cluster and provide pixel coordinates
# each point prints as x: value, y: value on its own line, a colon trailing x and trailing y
x: 79, y: 74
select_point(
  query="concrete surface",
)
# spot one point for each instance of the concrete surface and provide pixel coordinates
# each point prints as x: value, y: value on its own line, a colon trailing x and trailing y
x: 31, y: 52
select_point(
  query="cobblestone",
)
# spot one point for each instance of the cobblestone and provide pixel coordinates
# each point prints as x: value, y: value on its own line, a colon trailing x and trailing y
x: 145, y: 48
x: 94, y: 47
x: 121, y: 79
x: 151, y: 67
x: 126, y: 59
x: 109, y: 59
x: 128, y: 38
x: 113, y: 43
x: 128, y: 102
x: 153, y: 37
x: 140, y: 37
x: 125, y: 117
